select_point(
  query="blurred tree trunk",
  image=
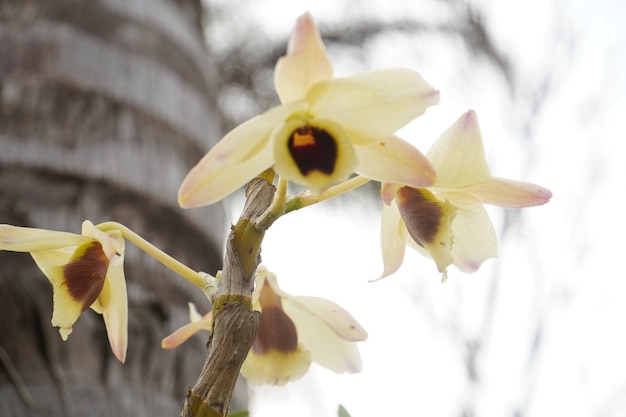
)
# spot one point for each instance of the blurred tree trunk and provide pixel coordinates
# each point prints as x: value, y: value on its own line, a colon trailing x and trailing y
x: 104, y: 107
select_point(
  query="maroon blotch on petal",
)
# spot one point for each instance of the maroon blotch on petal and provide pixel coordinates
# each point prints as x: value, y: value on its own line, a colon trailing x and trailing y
x: 84, y: 275
x: 421, y: 213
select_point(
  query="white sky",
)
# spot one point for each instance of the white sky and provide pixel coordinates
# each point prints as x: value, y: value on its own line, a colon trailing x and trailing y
x: 558, y: 275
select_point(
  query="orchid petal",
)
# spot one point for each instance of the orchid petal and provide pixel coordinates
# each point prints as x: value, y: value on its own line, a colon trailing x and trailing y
x: 305, y: 64
x: 113, y: 300
x: 27, y: 239
x: 374, y: 104
x: 261, y: 276
x: 475, y: 238
x: 392, y: 243
x: 237, y: 158
x: 223, y: 182
x: 114, y: 303
x: 181, y: 335
x: 275, y: 367
x: 194, y: 315
x: 394, y: 160
x: 458, y: 155
x: 509, y: 193
x: 336, y: 317
x: 326, y: 348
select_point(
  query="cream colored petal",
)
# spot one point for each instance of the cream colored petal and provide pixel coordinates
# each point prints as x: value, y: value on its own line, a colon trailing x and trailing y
x: 393, y: 160
x: 374, y: 104
x: 113, y: 304
x: 181, y: 335
x: 47, y: 260
x: 335, y: 316
x: 458, y: 155
x: 305, y: 64
x: 509, y: 193
x: 66, y: 309
x: 392, y: 243
x: 475, y: 239
x: 219, y: 183
x: 326, y: 347
x: 26, y: 239
x: 276, y: 368
x: 237, y: 158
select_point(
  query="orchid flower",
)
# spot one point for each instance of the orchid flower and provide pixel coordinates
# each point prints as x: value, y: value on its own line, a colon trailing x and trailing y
x: 293, y: 332
x: 324, y: 130
x: 85, y: 271
x: 448, y: 221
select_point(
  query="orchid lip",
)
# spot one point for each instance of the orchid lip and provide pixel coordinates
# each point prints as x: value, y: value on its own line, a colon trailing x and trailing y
x: 313, y: 149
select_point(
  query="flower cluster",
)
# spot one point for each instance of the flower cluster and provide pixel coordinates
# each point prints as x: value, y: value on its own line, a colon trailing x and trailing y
x: 324, y: 131
x: 329, y: 128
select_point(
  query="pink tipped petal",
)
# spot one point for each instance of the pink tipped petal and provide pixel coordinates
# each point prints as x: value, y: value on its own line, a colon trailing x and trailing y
x: 113, y: 303
x: 458, y: 155
x: 26, y: 239
x: 475, y: 239
x: 305, y: 64
x: 374, y: 104
x: 392, y: 243
x: 509, y: 193
x: 181, y: 335
x: 392, y: 160
x: 335, y: 316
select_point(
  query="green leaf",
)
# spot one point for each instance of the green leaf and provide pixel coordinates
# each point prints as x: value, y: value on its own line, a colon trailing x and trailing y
x: 240, y: 413
x: 342, y: 412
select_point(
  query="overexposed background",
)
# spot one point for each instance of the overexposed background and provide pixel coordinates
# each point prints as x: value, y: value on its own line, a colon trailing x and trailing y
x: 539, y: 331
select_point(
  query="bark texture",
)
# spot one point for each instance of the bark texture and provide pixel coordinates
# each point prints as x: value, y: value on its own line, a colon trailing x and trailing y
x: 104, y: 107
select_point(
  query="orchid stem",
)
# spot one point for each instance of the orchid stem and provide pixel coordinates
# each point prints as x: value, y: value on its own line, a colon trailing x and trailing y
x: 276, y: 209
x: 308, y: 199
x: 181, y: 269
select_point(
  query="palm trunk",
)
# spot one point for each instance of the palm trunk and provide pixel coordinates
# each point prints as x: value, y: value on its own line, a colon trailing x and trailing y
x: 104, y: 107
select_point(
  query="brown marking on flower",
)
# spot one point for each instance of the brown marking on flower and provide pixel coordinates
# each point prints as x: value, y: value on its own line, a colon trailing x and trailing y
x: 421, y: 212
x: 276, y: 330
x: 84, y: 275
x: 313, y: 149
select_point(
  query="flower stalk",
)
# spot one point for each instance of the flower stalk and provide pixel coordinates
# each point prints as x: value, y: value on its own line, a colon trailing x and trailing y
x: 308, y: 199
x: 181, y: 269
